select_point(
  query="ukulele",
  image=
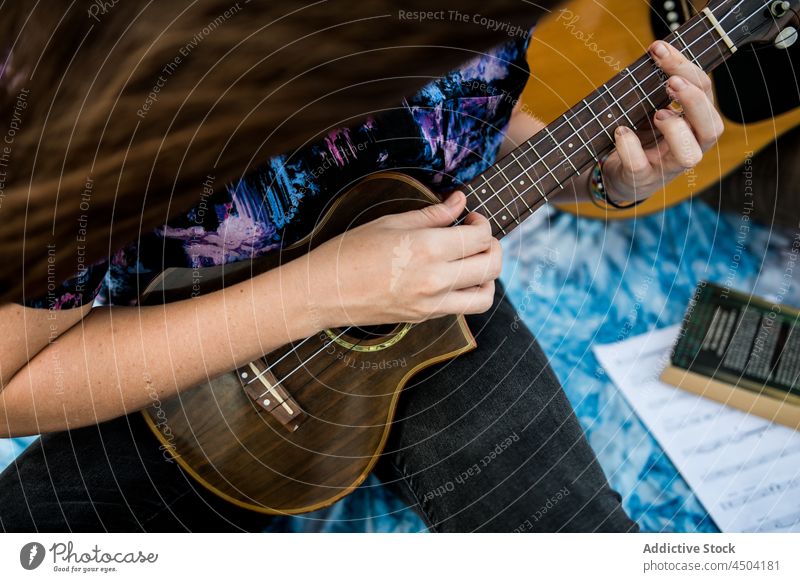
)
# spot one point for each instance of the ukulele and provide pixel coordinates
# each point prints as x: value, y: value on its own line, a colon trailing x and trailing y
x: 301, y: 427
x: 579, y: 45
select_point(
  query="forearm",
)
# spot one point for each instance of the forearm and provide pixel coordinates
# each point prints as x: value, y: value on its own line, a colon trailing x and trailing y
x: 120, y: 359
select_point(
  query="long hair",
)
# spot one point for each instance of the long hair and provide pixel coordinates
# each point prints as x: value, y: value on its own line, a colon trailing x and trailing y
x: 114, y: 114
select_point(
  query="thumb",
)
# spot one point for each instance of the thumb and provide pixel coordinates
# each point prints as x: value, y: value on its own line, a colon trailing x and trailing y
x: 442, y: 214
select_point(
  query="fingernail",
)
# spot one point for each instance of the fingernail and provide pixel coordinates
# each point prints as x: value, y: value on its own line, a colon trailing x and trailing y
x: 664, y: 114
x: 660, y: 49
x: 678, y: 83
x: 453, y: 199
x: 622, y: 130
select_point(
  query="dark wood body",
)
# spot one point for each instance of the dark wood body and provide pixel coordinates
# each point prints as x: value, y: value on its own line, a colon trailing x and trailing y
x: 241, y: 452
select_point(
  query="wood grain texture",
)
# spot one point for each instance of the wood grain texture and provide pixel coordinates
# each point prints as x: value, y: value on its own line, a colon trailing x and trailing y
x: 565, y: 67
x: 240, y: 451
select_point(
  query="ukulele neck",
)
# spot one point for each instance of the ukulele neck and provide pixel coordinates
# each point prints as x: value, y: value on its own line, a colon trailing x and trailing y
x: 514, y: 187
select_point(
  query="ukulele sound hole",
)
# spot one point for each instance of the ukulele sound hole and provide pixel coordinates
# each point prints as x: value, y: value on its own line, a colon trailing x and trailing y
x: 368, y: 338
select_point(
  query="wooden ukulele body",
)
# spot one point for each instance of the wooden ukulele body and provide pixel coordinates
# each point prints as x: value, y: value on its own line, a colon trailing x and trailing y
x: 223, y: 434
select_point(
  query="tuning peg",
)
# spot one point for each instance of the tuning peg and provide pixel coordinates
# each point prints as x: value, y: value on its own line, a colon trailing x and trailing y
x: 786, y: 37
x: 779, y: 8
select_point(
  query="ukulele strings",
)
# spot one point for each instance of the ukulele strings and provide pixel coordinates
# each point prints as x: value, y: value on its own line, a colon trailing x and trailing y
x: 302, y: 364
x: 536, y: 183
x: 312, y: 356
x: 284, y: 356
x: 293, y: 350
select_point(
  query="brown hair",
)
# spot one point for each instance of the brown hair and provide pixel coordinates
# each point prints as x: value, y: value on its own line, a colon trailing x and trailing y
x: 117, y: 112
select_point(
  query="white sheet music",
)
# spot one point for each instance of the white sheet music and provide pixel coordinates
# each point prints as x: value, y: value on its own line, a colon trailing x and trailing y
x: 745, y: 470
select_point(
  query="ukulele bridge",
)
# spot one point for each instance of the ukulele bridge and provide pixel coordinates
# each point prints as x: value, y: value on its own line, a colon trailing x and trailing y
x: 264, y: 389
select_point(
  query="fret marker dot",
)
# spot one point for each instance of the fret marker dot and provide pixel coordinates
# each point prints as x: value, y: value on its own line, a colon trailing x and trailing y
x: 569, y: 145
x: 483, y: 190
x: 521, y: 182
x: 504, y: 217
x: 609, y: 116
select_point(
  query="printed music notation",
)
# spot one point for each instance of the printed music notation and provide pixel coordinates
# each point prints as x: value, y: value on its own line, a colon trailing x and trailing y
x: 744, y: 469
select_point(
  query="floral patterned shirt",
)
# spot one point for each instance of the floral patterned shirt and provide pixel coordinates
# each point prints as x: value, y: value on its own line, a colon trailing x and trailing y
x: 446, y: 134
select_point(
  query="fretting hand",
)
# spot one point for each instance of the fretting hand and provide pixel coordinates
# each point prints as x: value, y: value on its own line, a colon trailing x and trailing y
x: 634, y: 172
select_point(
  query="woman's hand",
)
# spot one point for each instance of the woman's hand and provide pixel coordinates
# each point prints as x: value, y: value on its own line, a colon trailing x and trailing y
x: 633, y: 172
x: 405, y: 267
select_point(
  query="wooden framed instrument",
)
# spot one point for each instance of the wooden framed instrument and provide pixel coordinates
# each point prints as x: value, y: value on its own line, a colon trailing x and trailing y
x: 581, y: 44
x: 303, y: 426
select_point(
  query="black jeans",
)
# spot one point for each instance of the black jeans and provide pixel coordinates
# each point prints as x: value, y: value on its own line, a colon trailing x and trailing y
x: 486, y: 442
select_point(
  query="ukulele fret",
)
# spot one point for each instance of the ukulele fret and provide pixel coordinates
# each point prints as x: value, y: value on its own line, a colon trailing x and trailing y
x: 620, y: 107
x: 532, y: 181
x: 483, y: 203
x: 517, y: 195
x: 597, y: 119
x: 547, y: 168
x: 638, y: 87
x: 686, y: 48
x: 558, y: 145
x: 578, y: 135
x: 496, y: 195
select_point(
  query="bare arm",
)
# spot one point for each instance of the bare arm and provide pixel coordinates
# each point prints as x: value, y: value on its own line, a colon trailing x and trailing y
x: 104, y: 362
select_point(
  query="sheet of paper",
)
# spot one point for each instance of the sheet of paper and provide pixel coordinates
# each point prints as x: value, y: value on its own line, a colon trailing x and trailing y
x: 744, y: 469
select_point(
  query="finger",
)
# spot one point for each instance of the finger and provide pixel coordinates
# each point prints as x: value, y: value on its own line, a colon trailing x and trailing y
x: 636, y: 166
x: 476, y: 299
x: 684, y: 151
x: 698, y: 110
x: 435, y: 215
x: 472, y: 237
x: 477, y: 269
x: 672, y: 62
